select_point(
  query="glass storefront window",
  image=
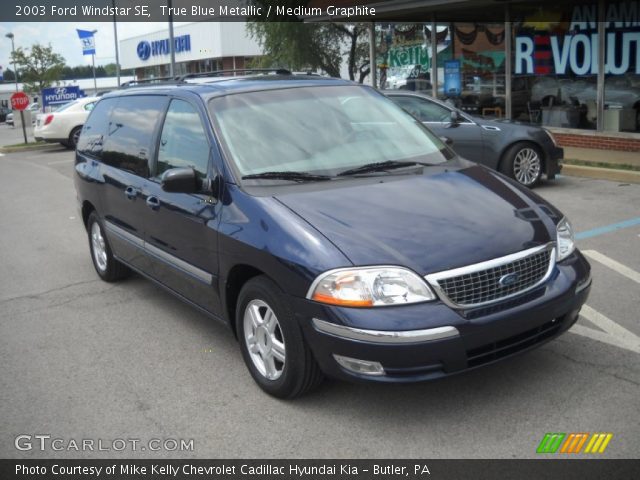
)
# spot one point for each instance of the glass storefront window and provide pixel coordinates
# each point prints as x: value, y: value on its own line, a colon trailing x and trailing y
x: 555, y: 68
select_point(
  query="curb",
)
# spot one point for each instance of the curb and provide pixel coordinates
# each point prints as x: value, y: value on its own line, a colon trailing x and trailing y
x: 616, y: 175
x: 31, y: 148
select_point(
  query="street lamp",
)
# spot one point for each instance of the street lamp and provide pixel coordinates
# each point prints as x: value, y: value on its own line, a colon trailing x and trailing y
x: 15, y: 76
x: 93, y: 63
x: 13, y: 52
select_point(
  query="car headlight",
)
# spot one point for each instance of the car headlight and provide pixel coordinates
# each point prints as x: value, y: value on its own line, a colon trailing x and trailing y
x: 370, y: 287
x: 565, y: 239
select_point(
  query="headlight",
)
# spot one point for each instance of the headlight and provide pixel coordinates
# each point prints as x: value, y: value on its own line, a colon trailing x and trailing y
x: 565, y: 239
x: 370, y: 287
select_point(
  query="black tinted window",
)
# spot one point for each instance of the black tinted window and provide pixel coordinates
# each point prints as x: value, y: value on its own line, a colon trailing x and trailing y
x: 95, y: 129
x: 183, y: 142
x: 129, y: 139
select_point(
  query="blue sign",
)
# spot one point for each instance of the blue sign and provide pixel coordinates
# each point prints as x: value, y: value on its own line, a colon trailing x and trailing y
x: 452, y: 78
x: 60, y: 95
x: 88, y: 42
x: 146, y: 49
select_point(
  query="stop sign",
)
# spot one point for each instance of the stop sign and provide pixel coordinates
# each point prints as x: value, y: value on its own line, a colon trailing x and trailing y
x: 19, y: 101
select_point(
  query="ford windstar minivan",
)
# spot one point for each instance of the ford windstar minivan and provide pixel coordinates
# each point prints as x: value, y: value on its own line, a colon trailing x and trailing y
x: 327, y: 227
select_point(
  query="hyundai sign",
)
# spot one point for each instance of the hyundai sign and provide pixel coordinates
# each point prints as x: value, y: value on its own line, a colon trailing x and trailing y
x: 60, y: 95
x: 146, y: 49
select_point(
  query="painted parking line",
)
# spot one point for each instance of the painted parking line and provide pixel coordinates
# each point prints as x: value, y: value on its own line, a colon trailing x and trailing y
x: 594, y: 232
x: 612, y: 264
x: 611, y: 334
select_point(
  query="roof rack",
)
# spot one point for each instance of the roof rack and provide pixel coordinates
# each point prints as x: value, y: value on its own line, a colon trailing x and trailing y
x: 147, y: 81
x: 217, y: 73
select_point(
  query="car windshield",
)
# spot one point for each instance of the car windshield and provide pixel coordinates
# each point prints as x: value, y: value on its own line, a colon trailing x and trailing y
x: 319, y: 130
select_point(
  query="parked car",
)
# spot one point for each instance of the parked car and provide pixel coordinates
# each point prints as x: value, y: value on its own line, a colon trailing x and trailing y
x: 4, y: 111
x: 521, y: 151
x: 64, y: 124
x: 33, y: 108
x: 332, y: 233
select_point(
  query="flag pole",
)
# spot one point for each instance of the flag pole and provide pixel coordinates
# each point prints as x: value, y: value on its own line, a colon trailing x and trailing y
x: 93, y: 66
x: 115, y: 36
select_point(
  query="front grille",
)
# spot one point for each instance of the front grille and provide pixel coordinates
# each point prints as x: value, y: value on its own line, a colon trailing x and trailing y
x: 508, y: 346
x: 486, y: 283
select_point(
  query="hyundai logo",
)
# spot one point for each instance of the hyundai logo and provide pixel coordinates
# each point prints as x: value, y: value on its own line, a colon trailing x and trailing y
x: 508, y: 279
x: 60, y: 91
x: 144, y: 50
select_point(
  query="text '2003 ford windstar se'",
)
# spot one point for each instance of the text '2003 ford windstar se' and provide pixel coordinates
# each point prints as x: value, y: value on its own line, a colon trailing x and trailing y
x: 334, y: 233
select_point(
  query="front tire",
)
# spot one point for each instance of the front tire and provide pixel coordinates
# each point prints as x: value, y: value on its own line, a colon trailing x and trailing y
x: 523, y: 163
x: 107, y: 267
x: 271, y: 342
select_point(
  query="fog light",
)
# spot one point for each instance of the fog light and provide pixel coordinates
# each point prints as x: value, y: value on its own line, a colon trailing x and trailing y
x: 363, y: 367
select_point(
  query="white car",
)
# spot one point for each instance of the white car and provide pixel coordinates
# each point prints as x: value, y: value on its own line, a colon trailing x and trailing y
x: 64, y: 124
x: 33, y: 108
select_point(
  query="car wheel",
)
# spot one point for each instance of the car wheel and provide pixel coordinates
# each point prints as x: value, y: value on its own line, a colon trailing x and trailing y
x: 73, y: 137
x: 108, y: 268
x: 523, y: 163
x: 272, y: 343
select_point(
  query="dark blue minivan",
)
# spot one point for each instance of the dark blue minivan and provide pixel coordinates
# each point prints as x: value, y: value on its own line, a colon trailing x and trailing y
x: 328, y: 228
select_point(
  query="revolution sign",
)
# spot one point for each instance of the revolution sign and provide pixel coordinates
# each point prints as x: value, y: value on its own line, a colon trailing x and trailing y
x: 576, y: 52
x: 60, y: 95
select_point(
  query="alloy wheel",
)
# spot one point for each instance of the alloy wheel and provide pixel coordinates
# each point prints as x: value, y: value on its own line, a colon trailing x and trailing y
x: 99, y: 248
x: 527, y: 166
x: 264, y: 339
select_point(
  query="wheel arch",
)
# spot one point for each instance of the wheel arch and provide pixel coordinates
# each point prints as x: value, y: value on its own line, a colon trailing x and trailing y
x: 87, y: 208
x: 237, y: 277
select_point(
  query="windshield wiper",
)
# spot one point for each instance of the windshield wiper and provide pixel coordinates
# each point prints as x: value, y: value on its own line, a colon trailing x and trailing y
x: 293, y: 176
x: 378, y: 166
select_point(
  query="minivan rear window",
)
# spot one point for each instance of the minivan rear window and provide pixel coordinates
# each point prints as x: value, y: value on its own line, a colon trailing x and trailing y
x: 130, y: 136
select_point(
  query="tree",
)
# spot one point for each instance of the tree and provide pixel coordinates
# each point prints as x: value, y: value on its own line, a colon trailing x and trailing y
x: 38, y: 67
x: 9, y: 76
x: 302, y: 46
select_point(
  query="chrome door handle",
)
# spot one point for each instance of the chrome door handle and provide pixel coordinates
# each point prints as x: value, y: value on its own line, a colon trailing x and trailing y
x: 131, y: 192
x: 153, y: 202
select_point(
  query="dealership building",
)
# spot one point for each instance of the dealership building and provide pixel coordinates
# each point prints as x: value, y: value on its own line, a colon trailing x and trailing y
x: 571, y: 66
x: 199, y: 47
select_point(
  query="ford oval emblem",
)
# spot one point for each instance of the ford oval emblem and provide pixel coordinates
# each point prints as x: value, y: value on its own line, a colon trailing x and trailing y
x: 508, y: 279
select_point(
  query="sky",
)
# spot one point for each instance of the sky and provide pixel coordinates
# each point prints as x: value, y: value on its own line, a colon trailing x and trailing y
x: 64, y: 39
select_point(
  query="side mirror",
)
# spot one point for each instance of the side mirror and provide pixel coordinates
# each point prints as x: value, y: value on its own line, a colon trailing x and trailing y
x: 448, y: 141
x: 180, y: 180
x: 455, y: 117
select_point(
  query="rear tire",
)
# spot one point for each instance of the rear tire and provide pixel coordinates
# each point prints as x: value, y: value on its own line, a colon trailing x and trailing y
x: 523, y: 163
x: 73, y: 138
x: 107, y: 267
x: 271, y: 341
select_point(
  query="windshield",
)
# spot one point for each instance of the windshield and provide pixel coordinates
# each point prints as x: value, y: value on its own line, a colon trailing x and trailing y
x: 319, y: 130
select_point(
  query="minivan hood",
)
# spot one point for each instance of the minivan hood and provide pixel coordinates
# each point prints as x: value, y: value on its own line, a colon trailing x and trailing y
x: 428, y: 222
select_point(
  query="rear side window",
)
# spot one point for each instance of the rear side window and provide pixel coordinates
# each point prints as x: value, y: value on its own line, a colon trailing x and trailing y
x: 95, y: 129
x: 129, y: 139
x: 423, y: 110
x: 183, y: 142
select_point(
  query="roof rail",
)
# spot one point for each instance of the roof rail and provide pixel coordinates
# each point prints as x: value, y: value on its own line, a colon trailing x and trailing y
x: 217, y: 73
x: 150, y: 81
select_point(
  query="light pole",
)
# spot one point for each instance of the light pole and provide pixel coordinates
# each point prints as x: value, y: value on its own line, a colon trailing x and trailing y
x: 93, y: 63
x: 115, y: 37
x: 15, y: 76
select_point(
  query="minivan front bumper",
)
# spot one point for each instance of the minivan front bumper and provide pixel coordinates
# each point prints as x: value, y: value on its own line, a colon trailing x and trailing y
x: 431, y: 340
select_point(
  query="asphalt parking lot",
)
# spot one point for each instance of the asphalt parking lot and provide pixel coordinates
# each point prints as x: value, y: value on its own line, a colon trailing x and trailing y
x: 81, y: 359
